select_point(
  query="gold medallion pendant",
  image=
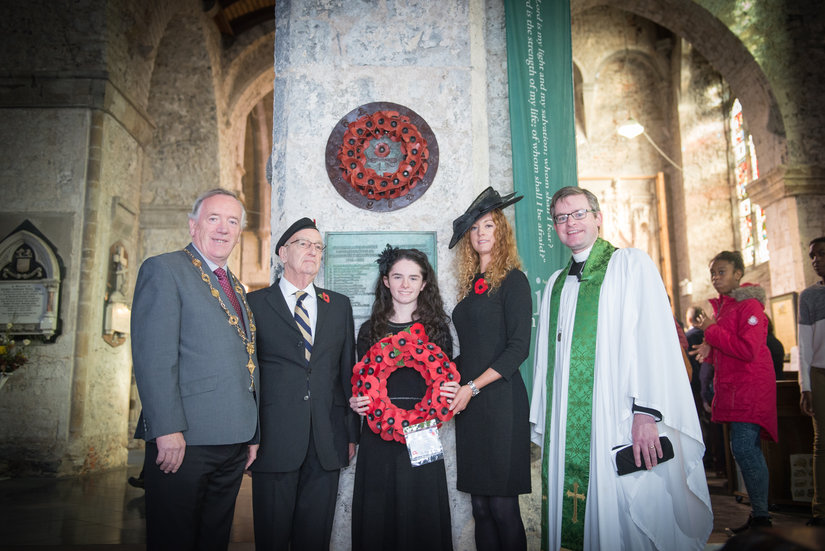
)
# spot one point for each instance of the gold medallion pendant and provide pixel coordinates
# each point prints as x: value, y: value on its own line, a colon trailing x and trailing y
x: 249, y: 342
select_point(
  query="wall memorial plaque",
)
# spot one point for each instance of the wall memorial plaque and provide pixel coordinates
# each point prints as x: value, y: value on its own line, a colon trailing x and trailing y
x: 381, y: 156
x: 30, y: 275
x: 350, y: 268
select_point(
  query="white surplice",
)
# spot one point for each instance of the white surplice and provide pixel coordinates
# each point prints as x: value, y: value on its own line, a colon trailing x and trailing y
x: 637, y: 357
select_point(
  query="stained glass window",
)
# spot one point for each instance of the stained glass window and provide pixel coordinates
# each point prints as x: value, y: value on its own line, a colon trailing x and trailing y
x: 753, y: 233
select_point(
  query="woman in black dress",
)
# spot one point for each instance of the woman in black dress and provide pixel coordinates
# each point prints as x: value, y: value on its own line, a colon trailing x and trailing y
x: 395, y: 505
x: 493, y: 321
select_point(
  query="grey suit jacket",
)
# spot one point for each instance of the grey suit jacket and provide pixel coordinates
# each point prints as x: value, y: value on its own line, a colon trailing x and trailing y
x: 190, y: 363
x: 296, y: 396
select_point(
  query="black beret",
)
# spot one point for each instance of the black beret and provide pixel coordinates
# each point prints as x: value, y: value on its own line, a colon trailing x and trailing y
x: 301, y: 224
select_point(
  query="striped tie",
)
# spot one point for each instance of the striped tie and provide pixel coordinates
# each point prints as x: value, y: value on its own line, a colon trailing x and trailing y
x: 302, y: 319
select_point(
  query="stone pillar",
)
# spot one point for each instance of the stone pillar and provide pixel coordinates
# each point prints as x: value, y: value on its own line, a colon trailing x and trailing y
x: 793, y: 197
x: 88, y: 272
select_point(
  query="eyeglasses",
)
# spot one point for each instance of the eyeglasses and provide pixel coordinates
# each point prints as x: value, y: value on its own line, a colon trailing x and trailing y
x: 576, y: 214
x: 305, y: 244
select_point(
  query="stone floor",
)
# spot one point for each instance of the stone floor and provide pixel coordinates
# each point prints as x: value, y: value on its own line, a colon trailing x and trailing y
x: 102, y: 511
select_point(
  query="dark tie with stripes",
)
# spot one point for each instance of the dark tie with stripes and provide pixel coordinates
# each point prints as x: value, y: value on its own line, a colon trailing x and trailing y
x: 302, y: 319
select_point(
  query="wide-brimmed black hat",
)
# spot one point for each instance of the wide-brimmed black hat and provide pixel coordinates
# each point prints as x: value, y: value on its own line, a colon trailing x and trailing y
x: 488, y: 200
x: 301, y: 224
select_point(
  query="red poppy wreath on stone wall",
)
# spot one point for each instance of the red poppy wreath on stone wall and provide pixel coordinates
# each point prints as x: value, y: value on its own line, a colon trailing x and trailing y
x: 383, y: 155
x: 405, y: 349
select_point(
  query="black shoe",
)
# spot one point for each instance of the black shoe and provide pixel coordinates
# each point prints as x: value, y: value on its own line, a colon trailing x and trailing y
x: 752, y: 522
x: 136, y: 482
x: 816, y: 521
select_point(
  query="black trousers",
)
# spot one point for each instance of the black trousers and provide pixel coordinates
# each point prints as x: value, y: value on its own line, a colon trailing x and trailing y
x: 193, y: 508
x: 296, y: 506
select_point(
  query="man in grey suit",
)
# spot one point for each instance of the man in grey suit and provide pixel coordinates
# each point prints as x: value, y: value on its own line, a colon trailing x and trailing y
x: 308, y: 432
x: 193, y: 349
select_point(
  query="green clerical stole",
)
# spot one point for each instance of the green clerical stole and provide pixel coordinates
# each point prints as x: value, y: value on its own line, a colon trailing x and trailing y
x: 579, y: 397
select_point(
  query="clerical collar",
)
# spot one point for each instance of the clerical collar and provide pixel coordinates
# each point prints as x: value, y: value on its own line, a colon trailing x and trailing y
x: 212, y: 265
x: 581, y: 256
x: 577, y: 266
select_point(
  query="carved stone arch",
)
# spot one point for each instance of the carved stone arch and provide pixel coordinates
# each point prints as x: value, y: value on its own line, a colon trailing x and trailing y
x: 142, y: 42
x: 182, y: 160
x: 247, y: 141
x: 632, y: 57
x: 240, y: 106
x: 728, y: 55
x: 616, y: 76
x: 629, y: 86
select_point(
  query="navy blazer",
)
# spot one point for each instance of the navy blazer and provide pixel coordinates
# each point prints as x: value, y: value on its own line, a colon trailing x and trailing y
x: 294, y: 394
x: 190, y: 363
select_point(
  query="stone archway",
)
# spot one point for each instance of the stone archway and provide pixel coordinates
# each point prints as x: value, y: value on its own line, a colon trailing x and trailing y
x: 182, y: 158
x: 246, y: 141
x: 728, y: 55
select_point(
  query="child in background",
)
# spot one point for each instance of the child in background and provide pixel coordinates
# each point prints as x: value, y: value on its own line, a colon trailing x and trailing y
x: 744, y: 381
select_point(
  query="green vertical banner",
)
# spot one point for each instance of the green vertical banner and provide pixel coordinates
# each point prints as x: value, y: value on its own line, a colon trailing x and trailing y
x: 542, y: 125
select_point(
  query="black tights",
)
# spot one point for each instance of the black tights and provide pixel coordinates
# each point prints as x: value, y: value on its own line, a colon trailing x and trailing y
x: 498, y: 523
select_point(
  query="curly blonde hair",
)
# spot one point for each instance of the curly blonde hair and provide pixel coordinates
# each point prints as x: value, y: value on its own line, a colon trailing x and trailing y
x: 505, y: 257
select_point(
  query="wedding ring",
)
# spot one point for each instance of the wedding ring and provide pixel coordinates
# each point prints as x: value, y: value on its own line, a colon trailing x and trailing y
x: 652, y: 446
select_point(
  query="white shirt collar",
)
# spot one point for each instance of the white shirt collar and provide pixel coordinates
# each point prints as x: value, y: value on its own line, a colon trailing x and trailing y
x: 288, y: 289
x: 212, y: 265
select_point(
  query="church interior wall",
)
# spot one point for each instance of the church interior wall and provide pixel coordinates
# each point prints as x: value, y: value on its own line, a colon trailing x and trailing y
x: 60, y: 435
x: 133, y: 34
x: 39, y: 38
x: 35, y: 403
x: 498, y: 150
x: 255, y: 245
x: 99, y: 429
x: 182, y: 158
x: 43, y: 171
x: 791, y: 230
x: 727, y: 34
x: 775, y: 34
x: 707, y: 222
x: 625, y: 63
x: 812, y: 224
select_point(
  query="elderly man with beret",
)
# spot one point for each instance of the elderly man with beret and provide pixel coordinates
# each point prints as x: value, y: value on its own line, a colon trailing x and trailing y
x: 306, y: 351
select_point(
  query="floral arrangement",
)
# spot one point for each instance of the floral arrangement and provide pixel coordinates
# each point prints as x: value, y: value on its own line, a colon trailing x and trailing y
x: 12, y: 353
x: 383, y: 155
x: 405, y: 349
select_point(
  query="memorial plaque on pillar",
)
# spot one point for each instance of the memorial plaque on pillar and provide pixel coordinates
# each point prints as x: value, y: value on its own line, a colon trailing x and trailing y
x: 381, y: 156
x: 30, y: 278
x: 350, y: 268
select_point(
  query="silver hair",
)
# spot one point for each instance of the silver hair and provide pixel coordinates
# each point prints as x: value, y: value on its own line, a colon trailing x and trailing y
x: 196, y: 208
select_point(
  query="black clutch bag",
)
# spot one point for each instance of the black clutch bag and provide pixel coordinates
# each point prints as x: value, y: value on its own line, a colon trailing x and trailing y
x: 625, y: 464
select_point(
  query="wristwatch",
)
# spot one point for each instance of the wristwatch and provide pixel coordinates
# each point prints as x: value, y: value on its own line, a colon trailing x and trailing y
x: 472, y: 386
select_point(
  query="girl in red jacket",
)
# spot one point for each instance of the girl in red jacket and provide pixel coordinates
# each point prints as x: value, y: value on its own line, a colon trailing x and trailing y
x: 745, y: 382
